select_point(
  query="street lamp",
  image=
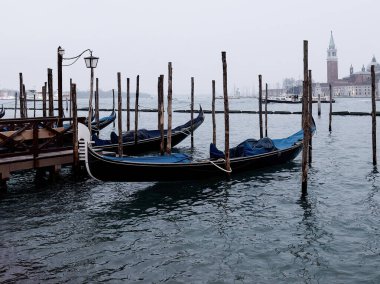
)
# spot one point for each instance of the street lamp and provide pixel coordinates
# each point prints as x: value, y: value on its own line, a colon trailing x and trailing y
x: 91, y: 62
x: 60, y: 53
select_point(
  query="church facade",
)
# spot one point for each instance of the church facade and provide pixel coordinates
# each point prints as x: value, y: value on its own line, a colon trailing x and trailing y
x: 356, y: 84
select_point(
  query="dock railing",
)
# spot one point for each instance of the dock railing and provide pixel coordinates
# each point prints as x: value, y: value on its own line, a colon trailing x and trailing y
x: 34, y: 136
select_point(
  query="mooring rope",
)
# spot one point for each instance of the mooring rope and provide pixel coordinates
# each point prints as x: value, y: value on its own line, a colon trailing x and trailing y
x: 220, y: 168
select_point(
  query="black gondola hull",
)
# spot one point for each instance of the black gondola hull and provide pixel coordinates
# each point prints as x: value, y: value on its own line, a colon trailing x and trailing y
x: 104, y: 169
x: 153, y: 144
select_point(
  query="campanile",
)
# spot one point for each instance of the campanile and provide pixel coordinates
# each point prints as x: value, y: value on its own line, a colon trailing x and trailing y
x: 332, y: 62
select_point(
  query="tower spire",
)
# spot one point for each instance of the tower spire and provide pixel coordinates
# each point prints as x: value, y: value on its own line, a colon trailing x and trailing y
x: 332, y: 43
x: 332, y: 61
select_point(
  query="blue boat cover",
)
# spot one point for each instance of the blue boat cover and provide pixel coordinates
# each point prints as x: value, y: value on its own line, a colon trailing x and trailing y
x: 252, y: 147
x: 247, y: 148
x: 165, y: 159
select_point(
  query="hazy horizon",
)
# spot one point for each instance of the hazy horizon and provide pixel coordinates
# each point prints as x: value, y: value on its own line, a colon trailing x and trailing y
x: 140, y: 38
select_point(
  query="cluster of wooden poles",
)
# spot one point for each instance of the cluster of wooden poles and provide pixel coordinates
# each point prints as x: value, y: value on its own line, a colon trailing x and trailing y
x: 307, y: 117
x: 164, y: 148
x: 47, y: 90
x: 47, y: 95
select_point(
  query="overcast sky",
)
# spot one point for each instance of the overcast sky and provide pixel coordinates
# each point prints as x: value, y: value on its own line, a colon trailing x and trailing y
x: 142, y: 36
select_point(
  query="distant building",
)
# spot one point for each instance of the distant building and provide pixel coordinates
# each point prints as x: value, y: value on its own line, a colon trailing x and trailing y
x: 356, y: 84
x: 332, y: 62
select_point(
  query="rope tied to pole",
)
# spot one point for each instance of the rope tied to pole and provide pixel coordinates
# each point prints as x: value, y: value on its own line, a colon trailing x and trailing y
x: 220, y: 168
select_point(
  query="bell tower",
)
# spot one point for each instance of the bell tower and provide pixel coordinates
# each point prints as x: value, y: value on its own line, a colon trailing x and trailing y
x: 332, y: 62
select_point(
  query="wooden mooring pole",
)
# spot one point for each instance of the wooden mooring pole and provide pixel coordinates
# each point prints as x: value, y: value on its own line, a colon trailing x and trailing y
x: 260, y: 107
x: 137, y: 107
x: 319, y: 104
x: 59, y: 79
x: 226, y: 116
x: 50, y: 92
x: 97, y: 105
x: 213, y: 114
x: 310, y: 85
x: 119, y: 120
x: 192, y: 112
x: 161, y: 113
x: 330, y: 113
x: 305, y: 119
x: 15, y: 105
x: 113, y: 105
x: 170, y: 109
x: 71, y: 99
x: 266, y: 110
x: 25, y: 101
x: 22, y: 115
x: 373, y: 79
x: 128, y: 107
x: 44, y: 90
x: 34, y: 105
x: 73, y: 91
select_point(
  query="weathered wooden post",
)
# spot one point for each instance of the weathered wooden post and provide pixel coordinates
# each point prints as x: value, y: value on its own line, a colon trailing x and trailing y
x: 71, y: 98
x: 330, y: 113
x: 213, y: 114
x: 60, y: 97
x: 119, y: 120
x: 34, y: 105
x: 192, y: 112
x: 226, y: 115
x: 25, y: 101
x: 305, y: 119
x: 319, y: 104
x: 44, y: 89
x: 310, y: 115
x: 373, y: 77
x: 161, y: 113
x: 137, y: 107
x: 15, y: 104
x: 260, y: 107
x: 113, y: 105
x: 73, y: 91
x: 128, y: 107
x: 266, y: 110
x: 170, y: 98
x: 97, y: 104
x: 22, y: 114
x: 158, y: 102
x: 50, y: 92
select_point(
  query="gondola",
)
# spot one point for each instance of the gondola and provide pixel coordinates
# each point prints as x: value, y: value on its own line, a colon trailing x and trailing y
x: 148, y: 140
x: 180, y: 167
x: 2, y: 111
x: 103, y: 122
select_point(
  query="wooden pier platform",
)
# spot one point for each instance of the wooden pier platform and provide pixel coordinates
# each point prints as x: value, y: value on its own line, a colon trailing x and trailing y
x: 54, y: 159
x: 34, y: 143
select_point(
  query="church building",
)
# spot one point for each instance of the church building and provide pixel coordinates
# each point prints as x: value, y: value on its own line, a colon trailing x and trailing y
x: 356, y: 84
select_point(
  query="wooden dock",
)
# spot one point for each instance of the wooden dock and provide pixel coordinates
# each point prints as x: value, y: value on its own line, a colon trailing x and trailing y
x: 54, y: 159
x: 34, y: 143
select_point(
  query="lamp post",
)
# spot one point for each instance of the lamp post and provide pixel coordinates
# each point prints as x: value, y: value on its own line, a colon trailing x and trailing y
x: 60, y: 53
x: 91, y: 62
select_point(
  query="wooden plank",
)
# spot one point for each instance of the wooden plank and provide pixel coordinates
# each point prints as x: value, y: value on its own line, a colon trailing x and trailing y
x: 28, y: 134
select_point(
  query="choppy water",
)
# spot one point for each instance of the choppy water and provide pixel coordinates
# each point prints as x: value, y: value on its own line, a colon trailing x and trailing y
x: 255, y: 228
